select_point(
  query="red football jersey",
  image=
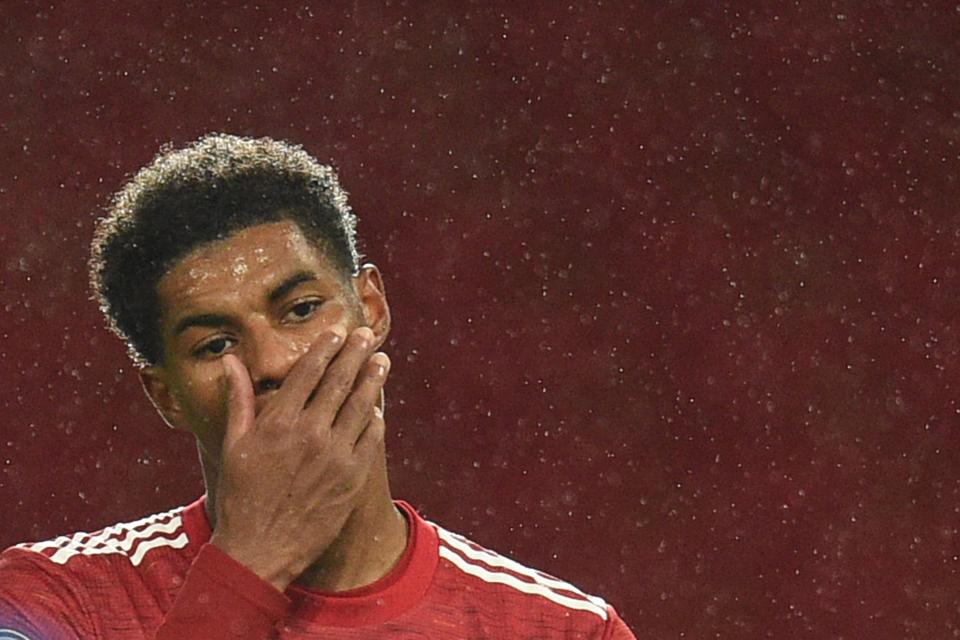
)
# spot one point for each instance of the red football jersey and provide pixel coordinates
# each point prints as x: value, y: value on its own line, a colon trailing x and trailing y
x: 158, y: 578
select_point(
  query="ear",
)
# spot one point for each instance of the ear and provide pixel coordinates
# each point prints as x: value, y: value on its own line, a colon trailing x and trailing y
x: 368, y: 285
x: 162, y: 396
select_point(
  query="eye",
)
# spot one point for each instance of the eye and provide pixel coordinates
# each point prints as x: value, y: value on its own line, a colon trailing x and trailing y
x: 215, y: 347
x: 302, y: 310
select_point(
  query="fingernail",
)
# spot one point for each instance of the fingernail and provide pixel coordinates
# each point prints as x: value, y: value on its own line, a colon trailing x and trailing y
x: 380, y: 364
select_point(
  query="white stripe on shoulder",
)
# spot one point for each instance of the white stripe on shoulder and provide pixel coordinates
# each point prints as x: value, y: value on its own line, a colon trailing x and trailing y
x: 525, y: 587
x: 157, y: 530
x: 176, y: 543
x: 102, y: 534
x: 104, y: 543
x: 494, y: 559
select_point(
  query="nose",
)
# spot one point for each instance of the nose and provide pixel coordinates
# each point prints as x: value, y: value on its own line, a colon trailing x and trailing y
x: 269, y: 355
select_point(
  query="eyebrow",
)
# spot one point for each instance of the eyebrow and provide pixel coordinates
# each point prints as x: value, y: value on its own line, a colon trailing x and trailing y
x: 200, y: 320
x: 218, y: 319
x: 290, y: 284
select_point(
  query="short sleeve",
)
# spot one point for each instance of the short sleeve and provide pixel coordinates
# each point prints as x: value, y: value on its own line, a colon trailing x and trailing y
x: 40, y: 601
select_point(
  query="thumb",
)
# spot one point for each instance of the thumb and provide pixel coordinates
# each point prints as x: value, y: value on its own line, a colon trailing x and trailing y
x: 239, y: 400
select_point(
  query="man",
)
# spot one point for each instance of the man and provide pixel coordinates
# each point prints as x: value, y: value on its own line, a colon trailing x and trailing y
x: 230, y: 270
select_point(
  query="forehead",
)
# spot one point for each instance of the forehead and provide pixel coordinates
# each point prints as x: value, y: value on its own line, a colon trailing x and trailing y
x: 249, y: 260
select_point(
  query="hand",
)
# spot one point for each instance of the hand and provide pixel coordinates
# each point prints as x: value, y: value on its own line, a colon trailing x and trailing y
x: 290, y: 476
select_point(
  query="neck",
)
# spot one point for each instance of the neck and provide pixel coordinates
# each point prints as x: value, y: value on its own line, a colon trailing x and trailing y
x: 367, y: 548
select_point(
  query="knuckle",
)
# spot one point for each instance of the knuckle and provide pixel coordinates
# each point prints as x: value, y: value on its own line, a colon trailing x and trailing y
x: 344, y: 378
x: 350, y: 412
x: 374, y: 435
x: 322, y: 439
x: 272, y: 416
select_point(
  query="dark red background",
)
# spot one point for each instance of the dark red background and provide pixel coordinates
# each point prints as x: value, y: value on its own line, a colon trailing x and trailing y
x: 674, y: 284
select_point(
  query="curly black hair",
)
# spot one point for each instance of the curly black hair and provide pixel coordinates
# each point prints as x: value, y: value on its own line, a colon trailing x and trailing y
x: 203, y: 192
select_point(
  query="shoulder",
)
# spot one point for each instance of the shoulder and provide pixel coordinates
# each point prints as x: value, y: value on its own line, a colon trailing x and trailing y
x: 72, y: 581
x: 504, y: 582
x: 109, y: 555
x: 125, y: 542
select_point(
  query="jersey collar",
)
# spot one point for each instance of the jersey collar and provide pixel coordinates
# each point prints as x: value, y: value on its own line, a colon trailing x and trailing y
x: 375, y: 603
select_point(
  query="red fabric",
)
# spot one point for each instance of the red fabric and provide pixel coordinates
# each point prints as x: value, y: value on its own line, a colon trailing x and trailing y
x: 158, y: 578
x: 216, y: 582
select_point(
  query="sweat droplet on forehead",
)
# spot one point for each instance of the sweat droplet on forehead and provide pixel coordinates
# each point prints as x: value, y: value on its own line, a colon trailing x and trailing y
x: 198, y: 275
x: 297, y: 242
x: 239, y: 266
x: 210, y: 260
x: 241, y: 269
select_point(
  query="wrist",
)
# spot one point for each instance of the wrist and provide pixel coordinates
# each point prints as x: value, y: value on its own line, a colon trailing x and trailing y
x: 266, y: 566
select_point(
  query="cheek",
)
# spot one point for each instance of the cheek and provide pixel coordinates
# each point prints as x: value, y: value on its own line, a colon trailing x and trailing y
x: 202, y: 397
x: 332, y: 315
x: 336, y: 314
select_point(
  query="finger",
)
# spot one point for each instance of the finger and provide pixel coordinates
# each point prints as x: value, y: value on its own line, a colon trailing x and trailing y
x: 339, y: 378
x: 308, y: 371
x: 359, y: 406
x: 240, y: 402
x: 371, y: 438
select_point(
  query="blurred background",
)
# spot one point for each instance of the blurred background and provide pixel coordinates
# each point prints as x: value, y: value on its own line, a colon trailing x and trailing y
x: 674, y: 284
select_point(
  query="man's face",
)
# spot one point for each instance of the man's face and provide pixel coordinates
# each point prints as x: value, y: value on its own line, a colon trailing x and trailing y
x: 264, y: 294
